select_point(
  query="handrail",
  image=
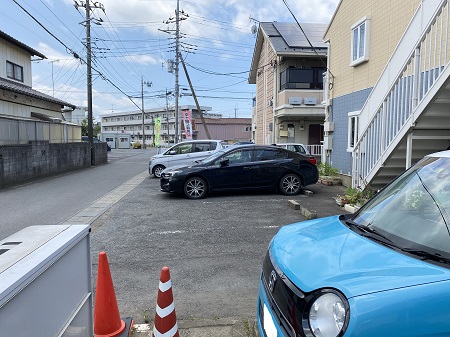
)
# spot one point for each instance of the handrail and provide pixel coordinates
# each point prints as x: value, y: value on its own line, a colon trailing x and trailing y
x: 394, y: 108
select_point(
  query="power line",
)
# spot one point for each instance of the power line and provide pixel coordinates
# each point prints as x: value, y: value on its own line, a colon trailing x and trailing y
x: 307, y: 39
x: 68, y: 49
x: 227, y: 74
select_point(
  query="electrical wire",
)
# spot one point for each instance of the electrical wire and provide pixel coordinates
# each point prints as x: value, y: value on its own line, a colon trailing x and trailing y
x: 73, y: 52
x: 307, y: 39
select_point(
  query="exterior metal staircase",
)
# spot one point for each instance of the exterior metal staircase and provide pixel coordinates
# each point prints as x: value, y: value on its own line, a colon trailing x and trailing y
x: 407, y: 114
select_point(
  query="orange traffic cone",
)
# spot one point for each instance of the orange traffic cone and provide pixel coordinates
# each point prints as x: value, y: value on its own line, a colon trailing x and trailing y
x: 165, y: 317
x: 107, y: 322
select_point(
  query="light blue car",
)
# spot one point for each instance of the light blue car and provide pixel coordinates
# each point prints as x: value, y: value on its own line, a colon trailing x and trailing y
x: 384, y: 271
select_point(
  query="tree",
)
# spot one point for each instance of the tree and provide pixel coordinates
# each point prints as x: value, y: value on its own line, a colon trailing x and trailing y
x: 95, y: 127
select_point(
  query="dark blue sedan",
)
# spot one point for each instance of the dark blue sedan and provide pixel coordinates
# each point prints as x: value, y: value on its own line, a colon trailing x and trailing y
x: 243, y: 167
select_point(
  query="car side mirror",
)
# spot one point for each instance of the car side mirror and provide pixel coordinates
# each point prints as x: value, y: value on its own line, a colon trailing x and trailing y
x: 172, y: 152
x: 224, y: 162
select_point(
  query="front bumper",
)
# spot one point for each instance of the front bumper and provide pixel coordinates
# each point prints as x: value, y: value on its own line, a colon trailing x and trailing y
x: 171, y: 185
x: 268, y: 324
x: 165, y: 185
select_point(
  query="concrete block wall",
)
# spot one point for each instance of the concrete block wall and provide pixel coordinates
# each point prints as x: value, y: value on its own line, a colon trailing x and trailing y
x: 23, y: 163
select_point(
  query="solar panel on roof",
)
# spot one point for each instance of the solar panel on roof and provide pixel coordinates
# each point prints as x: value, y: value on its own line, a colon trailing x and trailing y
x: 295, y: 38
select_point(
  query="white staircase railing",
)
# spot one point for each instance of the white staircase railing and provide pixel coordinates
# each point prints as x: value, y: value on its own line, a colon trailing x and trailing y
x: 391, y: 109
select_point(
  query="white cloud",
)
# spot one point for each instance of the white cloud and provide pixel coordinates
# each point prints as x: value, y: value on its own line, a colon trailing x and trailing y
x: 60, y: 59
x: 143, y: 59
x: 204, y: 15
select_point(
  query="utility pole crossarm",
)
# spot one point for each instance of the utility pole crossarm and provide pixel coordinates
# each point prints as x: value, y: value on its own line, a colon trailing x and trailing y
x: 195, y: 99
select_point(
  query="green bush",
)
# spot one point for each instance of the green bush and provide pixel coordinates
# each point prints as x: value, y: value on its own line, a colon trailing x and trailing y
x: 357, y: 196
x: 325, y: 169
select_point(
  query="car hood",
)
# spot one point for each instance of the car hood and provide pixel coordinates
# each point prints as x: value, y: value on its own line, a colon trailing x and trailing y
x: 324, y: 253
x: 159, y: 155
x: 184, y: 167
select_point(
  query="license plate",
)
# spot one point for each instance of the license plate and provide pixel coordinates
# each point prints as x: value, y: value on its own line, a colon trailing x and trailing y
x: 269, y: 325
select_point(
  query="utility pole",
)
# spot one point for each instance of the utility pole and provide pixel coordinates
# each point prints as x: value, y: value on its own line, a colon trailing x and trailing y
x: 86, y: 4
x: 195, y: 99
x: 148, y: 84
x: 176, y: 67
x: 89, y: 81
x: 177, y: 50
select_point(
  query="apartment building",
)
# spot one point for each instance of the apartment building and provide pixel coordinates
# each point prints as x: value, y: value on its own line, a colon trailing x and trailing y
x: 288, y: 73
x: 157, y: 127
x: 387, y: 104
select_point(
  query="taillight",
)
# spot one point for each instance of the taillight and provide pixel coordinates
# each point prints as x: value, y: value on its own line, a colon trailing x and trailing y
x: 312, y: 160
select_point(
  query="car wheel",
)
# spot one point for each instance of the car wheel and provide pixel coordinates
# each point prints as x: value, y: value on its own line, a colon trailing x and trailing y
x: 195, y: 188
x: 157, y: 170
x: 290, y: 184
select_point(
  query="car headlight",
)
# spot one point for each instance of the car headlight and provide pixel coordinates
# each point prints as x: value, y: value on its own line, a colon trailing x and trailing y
x: 328, y: 314
x: 169, y: 174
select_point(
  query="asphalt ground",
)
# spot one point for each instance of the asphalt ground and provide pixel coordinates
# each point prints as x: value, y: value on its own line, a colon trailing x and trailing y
x: 214, y: 246
x: 317, y: 199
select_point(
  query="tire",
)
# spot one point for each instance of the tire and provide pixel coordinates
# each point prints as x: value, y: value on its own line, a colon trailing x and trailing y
x: 157, y: 170
x: 290, y: 184
x: 195, y: 188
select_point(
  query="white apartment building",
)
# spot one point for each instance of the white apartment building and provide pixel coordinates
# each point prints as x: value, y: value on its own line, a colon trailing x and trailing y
x: 129, y: 124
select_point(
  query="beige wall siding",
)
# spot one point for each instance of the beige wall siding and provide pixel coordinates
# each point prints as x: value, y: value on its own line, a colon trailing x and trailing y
x: 265, y: 91
x: 17, y: 105
x: 11, y: 53
x: 389, y: 20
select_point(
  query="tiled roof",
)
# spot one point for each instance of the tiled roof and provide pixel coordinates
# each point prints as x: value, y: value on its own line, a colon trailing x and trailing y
x: 28, y: 91
x: 17, y: 43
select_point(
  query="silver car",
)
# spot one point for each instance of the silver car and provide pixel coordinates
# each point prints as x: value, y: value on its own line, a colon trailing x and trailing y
x: 296, y: 147
x: 184, y: 153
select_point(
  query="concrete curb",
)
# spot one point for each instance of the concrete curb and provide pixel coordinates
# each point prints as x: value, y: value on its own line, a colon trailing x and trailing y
x: 309, y: 214
x: 221, y: 327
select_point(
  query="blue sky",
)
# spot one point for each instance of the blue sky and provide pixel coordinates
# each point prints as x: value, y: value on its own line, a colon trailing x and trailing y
x: 131, y: 44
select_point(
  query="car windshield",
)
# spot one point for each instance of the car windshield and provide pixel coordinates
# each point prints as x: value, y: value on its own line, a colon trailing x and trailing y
x: 413, y: 211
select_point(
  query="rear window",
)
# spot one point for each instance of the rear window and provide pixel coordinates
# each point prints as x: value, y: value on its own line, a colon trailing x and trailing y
x: 200, y: 147
x: 262, y: 155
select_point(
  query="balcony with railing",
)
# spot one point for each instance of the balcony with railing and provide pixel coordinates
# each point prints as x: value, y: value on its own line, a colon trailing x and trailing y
x: 300, y: 93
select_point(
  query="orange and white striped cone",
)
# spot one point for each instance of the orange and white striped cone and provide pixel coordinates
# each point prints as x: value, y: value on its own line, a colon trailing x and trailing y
x: 165, y: 317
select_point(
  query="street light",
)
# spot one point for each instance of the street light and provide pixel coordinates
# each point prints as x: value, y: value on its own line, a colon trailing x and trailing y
x: 53, y: 82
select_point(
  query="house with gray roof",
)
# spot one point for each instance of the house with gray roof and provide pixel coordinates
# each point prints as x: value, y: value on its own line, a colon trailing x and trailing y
x: 27, y: 114
x: 288, y: 64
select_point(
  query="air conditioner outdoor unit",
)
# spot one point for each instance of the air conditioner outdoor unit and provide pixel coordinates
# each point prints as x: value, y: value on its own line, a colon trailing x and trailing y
x: 295, y: 100
x: 310, y: 100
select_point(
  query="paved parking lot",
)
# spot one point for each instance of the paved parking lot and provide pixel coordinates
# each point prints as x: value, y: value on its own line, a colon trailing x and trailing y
x: 213, y: 247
